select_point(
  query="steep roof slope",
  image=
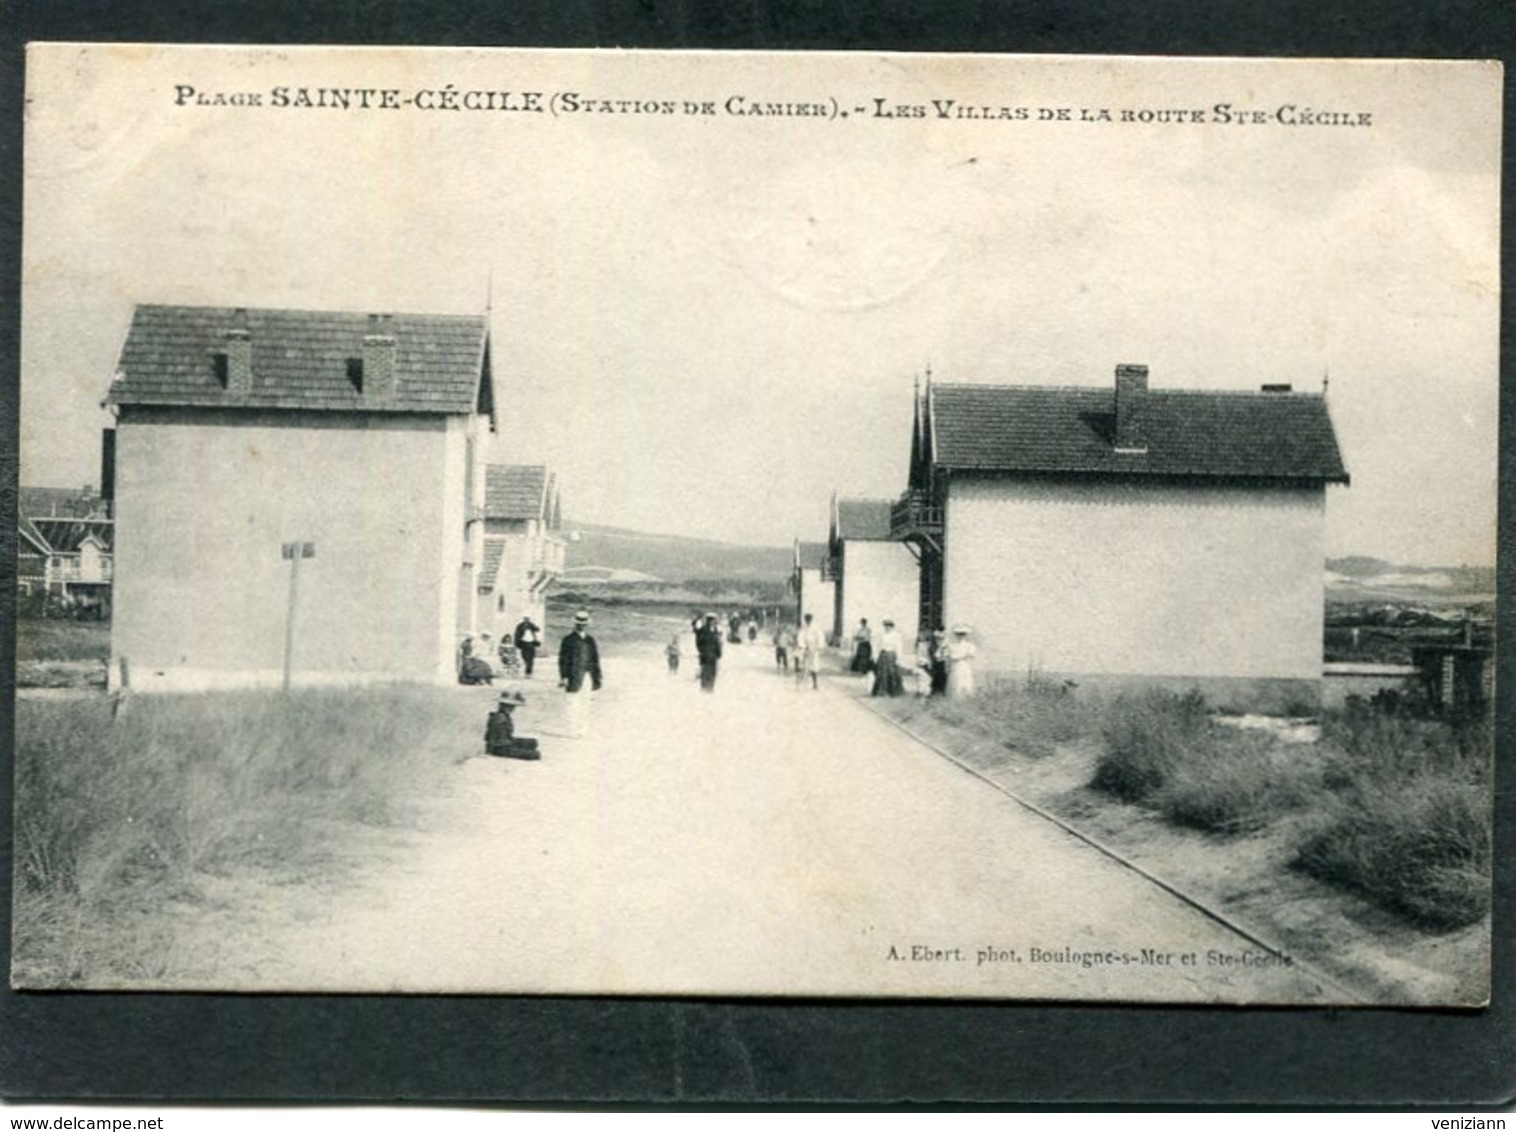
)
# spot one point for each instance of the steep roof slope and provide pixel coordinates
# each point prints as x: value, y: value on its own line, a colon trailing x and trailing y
x: 301, y: 358
x: 515, y: 491
x: 863, y: 519
x: 1047, y: 429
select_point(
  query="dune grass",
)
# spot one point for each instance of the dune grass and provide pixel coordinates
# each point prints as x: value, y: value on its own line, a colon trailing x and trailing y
x: 1397, y: 809
x: 1394, y: 808
x: 1031, y: 716
x: 62, y: 639
x: 1406, y: 820
x: 1164, y: 750
x: 120, y: 817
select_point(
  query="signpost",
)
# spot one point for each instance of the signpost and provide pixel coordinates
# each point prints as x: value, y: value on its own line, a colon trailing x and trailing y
x: 293, y: 552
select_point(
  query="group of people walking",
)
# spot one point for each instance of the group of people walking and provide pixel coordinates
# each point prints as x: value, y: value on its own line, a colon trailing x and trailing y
x: 940, y: 666
x: 800, y: 647
x: 944, y: 664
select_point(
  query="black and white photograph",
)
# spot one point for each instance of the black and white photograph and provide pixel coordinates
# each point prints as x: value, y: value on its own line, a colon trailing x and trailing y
x: 757, y: 525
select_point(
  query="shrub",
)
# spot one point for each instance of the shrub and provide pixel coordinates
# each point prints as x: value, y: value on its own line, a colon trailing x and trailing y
x: 1236, y: 782
x: 1408, y: 824
x: 1420, y: 847
x: 1146, y: 737
x: 1033, y: 717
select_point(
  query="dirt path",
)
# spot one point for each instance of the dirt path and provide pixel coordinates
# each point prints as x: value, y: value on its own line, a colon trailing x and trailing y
x: 761, y: 840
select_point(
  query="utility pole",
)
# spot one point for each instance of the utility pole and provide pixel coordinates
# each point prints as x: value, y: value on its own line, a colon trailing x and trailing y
x: 293, y: 552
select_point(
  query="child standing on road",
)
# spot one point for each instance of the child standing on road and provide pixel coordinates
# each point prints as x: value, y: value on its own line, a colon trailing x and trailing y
x: 672, y: 653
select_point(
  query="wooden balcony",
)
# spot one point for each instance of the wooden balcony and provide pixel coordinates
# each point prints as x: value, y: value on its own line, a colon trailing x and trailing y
x: 913, y: 517
x: 74, y: 574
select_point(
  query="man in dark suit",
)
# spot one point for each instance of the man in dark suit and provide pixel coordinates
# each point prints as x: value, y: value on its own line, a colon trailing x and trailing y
x: 708, y: 647
x: 528, y: 637
x: 578, y: 659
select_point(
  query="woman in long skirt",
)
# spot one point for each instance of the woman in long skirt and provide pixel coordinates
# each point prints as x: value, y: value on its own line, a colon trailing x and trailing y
x: 863, y: 649
x: 960, y: 658
x: 887, y: 678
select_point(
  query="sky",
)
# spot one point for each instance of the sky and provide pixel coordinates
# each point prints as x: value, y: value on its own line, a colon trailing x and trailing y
x: 707, y: 323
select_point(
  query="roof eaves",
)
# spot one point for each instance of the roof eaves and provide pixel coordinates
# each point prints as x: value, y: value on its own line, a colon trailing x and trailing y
x: 32, y: 534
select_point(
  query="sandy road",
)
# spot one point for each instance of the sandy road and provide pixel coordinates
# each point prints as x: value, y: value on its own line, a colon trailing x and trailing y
x: 762, y: 840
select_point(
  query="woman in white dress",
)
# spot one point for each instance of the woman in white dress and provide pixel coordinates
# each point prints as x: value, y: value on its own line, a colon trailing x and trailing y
x: 960, y: 660
x: 808, y: 644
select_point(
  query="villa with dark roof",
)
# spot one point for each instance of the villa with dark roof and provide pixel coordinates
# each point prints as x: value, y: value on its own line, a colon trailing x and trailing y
x: 875, y: 575
x: 1127, y: 534
x: 523, y: 550
x: 357, y: 440
x: 64, y: 547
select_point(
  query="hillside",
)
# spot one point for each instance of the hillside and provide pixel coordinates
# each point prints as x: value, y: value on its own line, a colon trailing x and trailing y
x: 598, y: 556
x: 1362, y: 579
x: 615, y: 553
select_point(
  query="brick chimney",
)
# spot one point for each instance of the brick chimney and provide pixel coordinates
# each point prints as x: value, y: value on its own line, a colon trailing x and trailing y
x: 379, y: 359
x: 239, y: 355
x: 1131, y: 397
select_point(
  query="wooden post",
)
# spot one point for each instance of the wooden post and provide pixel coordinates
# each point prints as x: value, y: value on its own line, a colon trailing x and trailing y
x: 294, y: 552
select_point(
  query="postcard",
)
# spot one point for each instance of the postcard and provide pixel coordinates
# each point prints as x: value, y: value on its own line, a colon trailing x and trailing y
x: 825, y: 525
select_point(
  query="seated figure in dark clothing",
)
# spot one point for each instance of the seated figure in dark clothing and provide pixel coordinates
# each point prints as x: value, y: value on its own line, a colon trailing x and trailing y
x: 500, y: 737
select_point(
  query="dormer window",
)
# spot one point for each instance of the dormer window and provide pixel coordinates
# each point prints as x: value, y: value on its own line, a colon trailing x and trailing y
x: 220, y: 368
x: 355, y: 373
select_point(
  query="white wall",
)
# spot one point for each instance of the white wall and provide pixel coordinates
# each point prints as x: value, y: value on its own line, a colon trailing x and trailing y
x: 816, y: 597
x: 1139, y: 579
x: 201, y: 512
x: 879, y: 580
x: 524, y: 546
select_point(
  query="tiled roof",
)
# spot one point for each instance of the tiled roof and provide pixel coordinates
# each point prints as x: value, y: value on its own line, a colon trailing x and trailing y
x: 515, y: 491
x: 32, y: 534
x: 42, y: 502
x: 863, y: 518
x: 1043, y: 429
x: 812, y: 554
x: 494, y: 550
x: 300, y: 359
x: 65, y: 536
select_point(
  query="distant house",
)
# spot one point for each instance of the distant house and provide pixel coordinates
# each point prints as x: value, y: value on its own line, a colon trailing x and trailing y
x: 1128, y: 534
x: 875, y: 575
x: 815, y: 591
x: 65, y: 546
x: 523, y: 550
x: 33, y: 558
x: 253, y: 447
x: 63, y: 503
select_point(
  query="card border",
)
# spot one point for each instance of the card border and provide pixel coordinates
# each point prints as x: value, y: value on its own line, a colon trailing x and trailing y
x: 753, y: 1053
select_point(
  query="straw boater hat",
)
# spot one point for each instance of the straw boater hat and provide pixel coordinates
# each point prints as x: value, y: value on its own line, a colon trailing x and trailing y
x: 512, y: 695
x: 582, y: 617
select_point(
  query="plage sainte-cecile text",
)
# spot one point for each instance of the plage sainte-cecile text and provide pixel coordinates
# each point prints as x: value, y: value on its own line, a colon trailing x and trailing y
x: 573, y: 103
